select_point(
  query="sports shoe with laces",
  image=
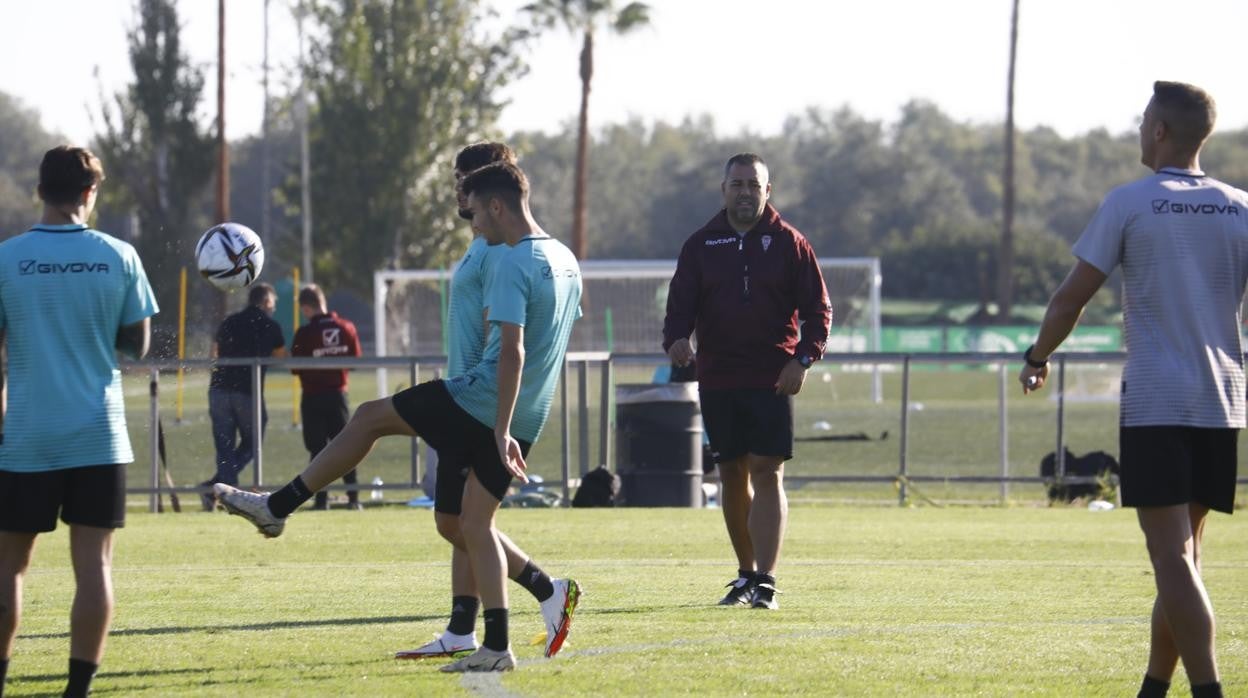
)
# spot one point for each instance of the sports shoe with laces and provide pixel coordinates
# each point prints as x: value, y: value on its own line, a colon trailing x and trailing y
x: 557, y: 613
x: 445, y: 645
x: 484, y: 659
x: 765, y: 597
x: 740, y: 592
x: 251, y: 506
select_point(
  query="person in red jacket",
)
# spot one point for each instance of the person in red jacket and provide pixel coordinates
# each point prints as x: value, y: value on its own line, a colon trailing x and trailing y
x: 323, y: 406
x: 749, y: 284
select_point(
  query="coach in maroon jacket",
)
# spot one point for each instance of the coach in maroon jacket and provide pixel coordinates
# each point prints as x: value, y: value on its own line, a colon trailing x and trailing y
x: 323, y: 406
x: 747, y: 282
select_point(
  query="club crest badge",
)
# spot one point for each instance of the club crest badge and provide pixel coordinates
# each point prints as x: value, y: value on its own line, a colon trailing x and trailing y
x: 766, y: 242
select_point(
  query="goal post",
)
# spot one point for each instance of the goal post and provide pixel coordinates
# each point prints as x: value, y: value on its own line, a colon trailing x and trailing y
x: 624, y: 303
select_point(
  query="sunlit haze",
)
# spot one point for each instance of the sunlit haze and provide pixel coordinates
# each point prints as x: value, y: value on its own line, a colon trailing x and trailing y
x: 1082, y: 64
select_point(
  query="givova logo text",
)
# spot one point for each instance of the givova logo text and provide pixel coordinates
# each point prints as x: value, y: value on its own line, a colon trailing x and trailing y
x: 1168, y: 206
x: 34, y: 266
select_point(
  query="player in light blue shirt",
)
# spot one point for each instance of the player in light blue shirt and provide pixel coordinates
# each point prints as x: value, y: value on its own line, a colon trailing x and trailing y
x: 467, y: 327
x: 537, y: 323
x: 69, y: 298
x: 536, y: 288
x: 533, y: 302
x: 465, y: 318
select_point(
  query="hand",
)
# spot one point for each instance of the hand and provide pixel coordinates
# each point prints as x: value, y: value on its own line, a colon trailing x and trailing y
x: 509, y: 453
x: 681, y: 352
x: 1033, y: 378
x: 791, y: 378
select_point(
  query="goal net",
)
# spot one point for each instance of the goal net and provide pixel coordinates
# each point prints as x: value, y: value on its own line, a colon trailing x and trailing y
x: 624, y: 303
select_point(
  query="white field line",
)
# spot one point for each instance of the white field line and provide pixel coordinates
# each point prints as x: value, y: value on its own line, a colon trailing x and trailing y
x: 599, y: 563
x: 492, y: 684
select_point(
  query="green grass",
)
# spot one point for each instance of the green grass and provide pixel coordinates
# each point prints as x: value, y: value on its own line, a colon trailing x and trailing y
x: 877, y: 601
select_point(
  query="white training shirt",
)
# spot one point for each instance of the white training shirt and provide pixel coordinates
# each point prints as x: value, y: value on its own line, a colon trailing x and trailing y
x: 1182, y: 241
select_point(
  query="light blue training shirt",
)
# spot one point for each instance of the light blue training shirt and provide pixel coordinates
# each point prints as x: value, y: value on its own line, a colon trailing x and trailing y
x: 536, y: 285
x: 469, y: 284
x: 65, y: 291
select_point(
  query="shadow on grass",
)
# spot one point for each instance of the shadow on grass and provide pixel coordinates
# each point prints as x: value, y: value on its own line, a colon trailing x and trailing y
x: 211, y: 678
x: 247, y: 627
x: 631, y: 610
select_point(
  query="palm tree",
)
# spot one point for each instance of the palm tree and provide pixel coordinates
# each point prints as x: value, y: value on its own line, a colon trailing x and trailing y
x: 1005, y: 261
x: 583, y: 17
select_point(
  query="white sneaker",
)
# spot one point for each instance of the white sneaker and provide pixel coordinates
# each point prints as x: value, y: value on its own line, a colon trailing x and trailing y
x: 445, y: 645
x: 251, y: 506
x: 483, y: 659
x: 557, y: 613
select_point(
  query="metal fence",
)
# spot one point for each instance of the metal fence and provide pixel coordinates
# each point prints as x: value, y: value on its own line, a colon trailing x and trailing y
x: 572, y: 417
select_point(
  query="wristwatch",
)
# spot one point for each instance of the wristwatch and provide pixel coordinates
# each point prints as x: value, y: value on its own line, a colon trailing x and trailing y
x: 804, y: 360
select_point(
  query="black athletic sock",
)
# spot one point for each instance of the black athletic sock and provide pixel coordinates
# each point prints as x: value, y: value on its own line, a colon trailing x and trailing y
x: 463, y: 615
x: 1153, y: 688
x: 1207, y: 690
x: 289, y: 498
x: 495, y: 629
x: 761, y: 578
x: 353, y: 496
x: 4, y: 669
x: 80, y: 674
x: 535, y: 581
x: 747, y: 575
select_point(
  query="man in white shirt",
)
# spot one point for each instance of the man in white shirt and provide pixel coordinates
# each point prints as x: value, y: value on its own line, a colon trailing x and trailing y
x: 1181, y: 239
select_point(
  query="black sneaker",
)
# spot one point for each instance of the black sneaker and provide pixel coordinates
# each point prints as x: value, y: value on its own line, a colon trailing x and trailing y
x: 740, y: 592
x: 764, y: 596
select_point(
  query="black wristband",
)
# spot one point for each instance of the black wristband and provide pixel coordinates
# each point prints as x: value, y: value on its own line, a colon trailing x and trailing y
x: 1032, y: 363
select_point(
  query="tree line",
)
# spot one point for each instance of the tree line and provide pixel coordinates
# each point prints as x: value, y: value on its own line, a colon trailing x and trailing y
x: 398, y: 86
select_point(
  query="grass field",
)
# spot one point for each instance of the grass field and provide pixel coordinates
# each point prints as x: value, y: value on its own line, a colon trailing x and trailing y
x: 877, y: 601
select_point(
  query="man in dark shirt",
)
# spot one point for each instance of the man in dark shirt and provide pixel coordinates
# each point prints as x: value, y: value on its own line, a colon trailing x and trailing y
x: 748, y: 281
x: 251, y: 332
x: 323, y: 406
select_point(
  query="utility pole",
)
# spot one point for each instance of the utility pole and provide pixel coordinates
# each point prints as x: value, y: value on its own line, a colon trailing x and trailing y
x: 265, y: 152
x: 223, y: 153
x: 304, y: 154
x: 1005, y: 260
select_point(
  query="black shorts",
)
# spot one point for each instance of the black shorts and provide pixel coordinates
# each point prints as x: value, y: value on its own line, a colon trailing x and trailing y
x: 88, y: 496
x: 1166, y: 466
x: 461, y: 441
x: 747, y: 420
x: 324, y: 415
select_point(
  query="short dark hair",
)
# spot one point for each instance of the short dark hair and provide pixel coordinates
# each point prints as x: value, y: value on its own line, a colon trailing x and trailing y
x: 1187, y: 111
x: 501, y: 179
x: 259, y: 292
x: 743, y: 159
x: 312, y: 296
x: 66, y: 172
x: 478, y: 155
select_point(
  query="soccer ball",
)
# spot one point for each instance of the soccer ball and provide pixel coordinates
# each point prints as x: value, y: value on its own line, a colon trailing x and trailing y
x: 230, y: 256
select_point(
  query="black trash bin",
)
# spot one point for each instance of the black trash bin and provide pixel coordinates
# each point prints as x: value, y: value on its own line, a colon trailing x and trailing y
x: 659, y: 444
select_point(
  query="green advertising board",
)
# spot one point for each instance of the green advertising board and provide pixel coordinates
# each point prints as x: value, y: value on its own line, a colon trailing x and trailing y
x: 918, y: 340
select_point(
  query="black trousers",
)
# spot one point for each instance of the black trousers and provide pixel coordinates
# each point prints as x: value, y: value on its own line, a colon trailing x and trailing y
x: 324, y: 415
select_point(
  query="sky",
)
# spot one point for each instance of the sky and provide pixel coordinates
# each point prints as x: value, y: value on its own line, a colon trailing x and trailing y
x: 1082, y: 64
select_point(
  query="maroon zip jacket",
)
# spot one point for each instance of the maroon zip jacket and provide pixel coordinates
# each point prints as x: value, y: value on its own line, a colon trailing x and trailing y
x: 746, y: 296
x: 325, y: 335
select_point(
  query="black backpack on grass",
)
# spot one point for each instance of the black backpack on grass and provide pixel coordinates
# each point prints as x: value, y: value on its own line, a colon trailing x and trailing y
x: 599, y: 488
x: 1098, y: 464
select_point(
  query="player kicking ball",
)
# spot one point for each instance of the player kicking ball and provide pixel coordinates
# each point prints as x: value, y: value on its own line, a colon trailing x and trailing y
x: 488, y: 417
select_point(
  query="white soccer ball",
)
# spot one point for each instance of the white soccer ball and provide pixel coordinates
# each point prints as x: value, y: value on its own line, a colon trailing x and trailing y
x: 230, y: 256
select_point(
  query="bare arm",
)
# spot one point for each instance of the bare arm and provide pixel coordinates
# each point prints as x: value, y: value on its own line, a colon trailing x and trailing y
x: 1065, y: 308
x: 510, y: 366
x: 135, y: 340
